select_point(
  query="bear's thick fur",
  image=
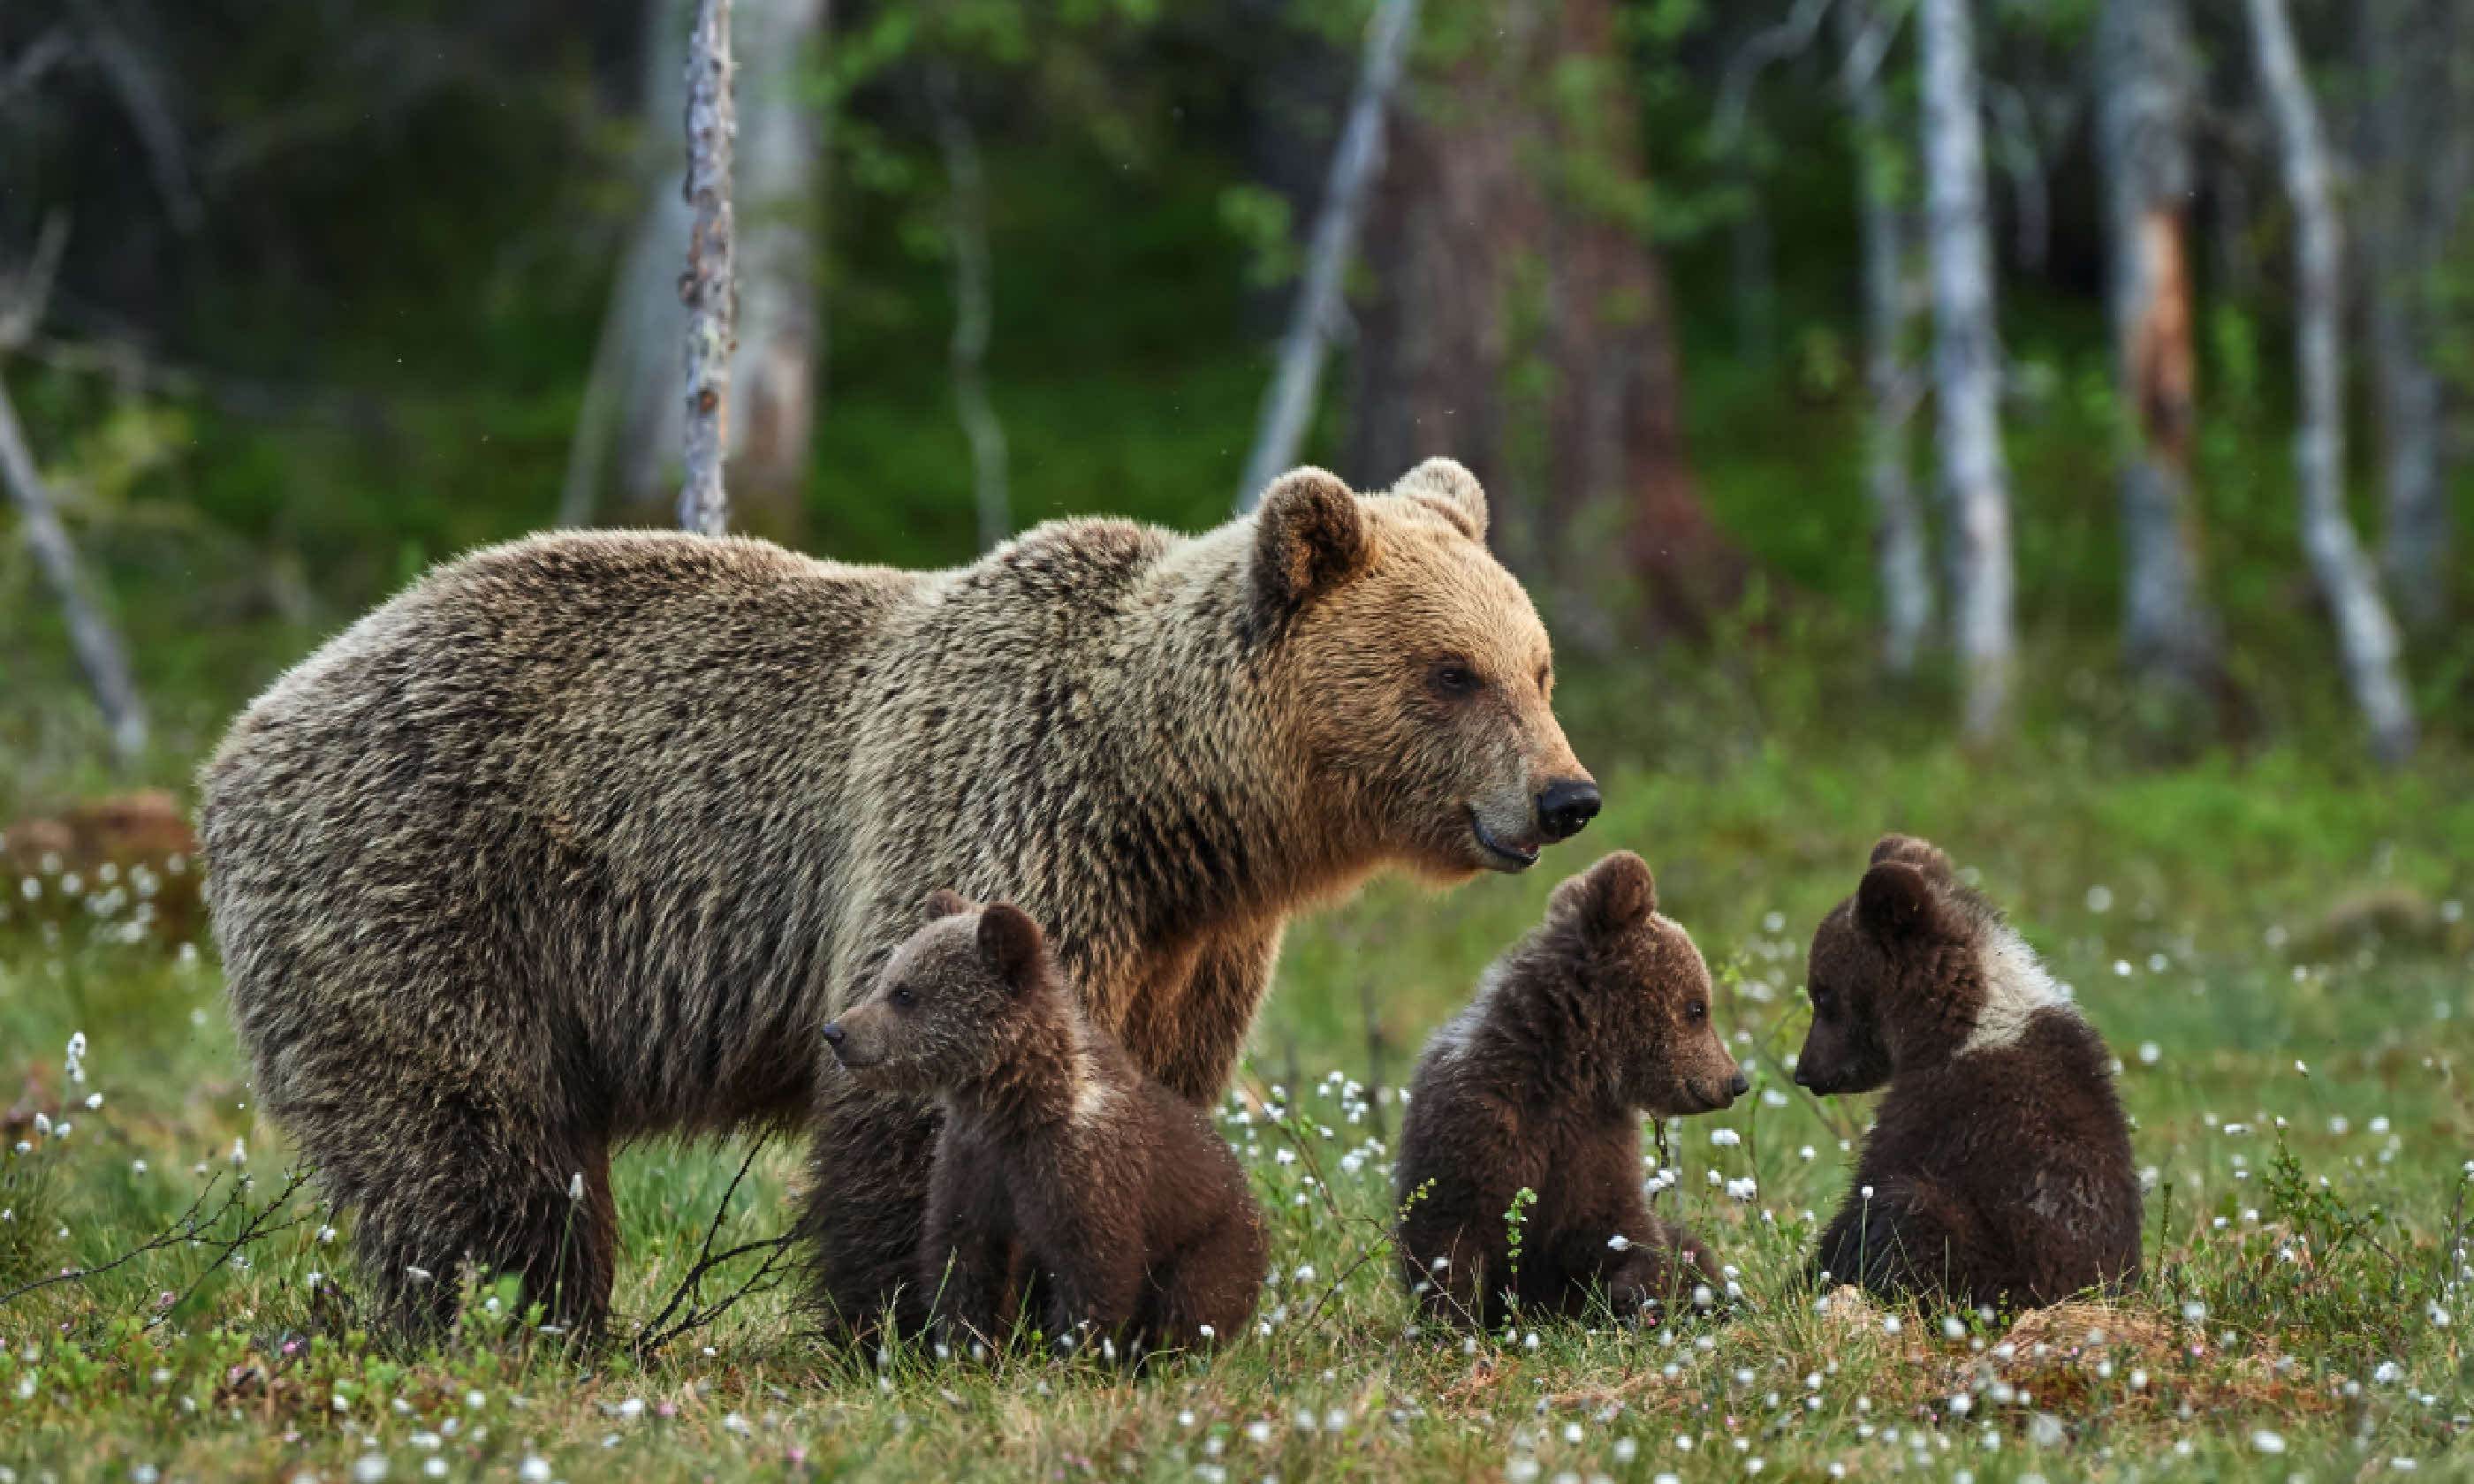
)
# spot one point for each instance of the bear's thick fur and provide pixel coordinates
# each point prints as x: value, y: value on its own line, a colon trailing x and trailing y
x: 1062, y: 1171
x: 1998, y: 1170
x: 1600, y: 1016
x: 581, y: 839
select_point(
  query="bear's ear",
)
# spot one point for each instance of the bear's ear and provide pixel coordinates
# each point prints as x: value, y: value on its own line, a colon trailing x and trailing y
x: 944, y: 903
x: 1917, y: 851
x: 1009, y: 940
x: 1896, y: 901
x: 1446, y: 485
x: 1309, y: 537
x: 1615, y: 894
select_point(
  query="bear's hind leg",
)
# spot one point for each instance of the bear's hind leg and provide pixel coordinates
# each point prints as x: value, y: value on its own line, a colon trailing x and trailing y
x: 1212, y: 1284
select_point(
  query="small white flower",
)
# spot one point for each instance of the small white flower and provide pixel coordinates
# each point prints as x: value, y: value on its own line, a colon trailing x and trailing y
x: 370, y: 1469
x: 1619, y: 1243
x: 240, y: 1156
x: 1891, y: 1324
x: 1206, y: 1332
x: 1724, y: 1138
x: 575, y: 1187
x: 2439, y: 1316
x: 2267, y: 1442
x: 534, y: 1470
x: 1867, y: 1192
x: 1305, y: 1273
x: 2388, y: 1373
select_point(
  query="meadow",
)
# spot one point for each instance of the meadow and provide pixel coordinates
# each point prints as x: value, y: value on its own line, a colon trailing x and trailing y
x: 2275, y: 945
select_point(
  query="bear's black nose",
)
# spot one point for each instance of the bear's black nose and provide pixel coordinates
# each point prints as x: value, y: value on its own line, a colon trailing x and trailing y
x: 1800, y: 1079
x: 832, y: 1034
x: 1742, y: 1084
x: 1565, y: 806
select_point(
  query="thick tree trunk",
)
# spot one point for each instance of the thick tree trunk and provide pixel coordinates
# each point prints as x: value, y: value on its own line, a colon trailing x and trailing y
x: 2420, y: 148
x: 2146, y: 76
x: 780, y: 188
x: 1967, y: 369
x: 1289, y: 405
x: 2366, y: 638
x: 98, y: 645
x: 966, y: 226
x: 1902, y: 567
x: 711, y: 289
x: 1521, y: 322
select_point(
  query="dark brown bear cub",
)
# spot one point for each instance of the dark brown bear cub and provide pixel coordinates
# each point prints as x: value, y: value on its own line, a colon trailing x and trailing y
x: 1999, y: 1169
x: 1062, y: 1171
x: 1600, y: 1016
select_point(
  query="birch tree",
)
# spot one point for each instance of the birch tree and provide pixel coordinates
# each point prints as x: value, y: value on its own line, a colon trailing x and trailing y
x: 966, y: 233
x: 779, y: 159
x: 1288, y: 406
x: 709, y: 292
x: 1967, y: 370
x: 2367, y: 637
x: 1900, y: 567
x: 2144, y: 82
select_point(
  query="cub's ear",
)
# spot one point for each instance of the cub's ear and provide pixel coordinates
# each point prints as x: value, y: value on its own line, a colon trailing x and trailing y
x: 1917, y: 851
x: 1896, y: 901
x: 944, y: 903
x: 1309, y: 537
x: 1010, y: 942
x: 1446, y: 485
x: 1615, y: 894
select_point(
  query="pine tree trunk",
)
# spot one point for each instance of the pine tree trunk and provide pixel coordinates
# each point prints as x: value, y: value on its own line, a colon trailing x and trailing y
x: 1967, y: 369
x: 1523, y: 328
x: 2146, y: 73
x: 1902, y: 566
x: 2367, y: 637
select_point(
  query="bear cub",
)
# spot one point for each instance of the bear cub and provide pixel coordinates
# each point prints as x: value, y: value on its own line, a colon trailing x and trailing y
x: 1068, y: 1186
x: 1599, y: 1017
x: 1999, y: 1168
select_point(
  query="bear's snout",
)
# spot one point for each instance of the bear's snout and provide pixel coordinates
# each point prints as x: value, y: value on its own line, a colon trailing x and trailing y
x: 1566, y: 805
x: 1740, y: 1086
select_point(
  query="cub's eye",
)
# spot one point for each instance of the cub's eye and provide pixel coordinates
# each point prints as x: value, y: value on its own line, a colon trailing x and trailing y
x: 1696, y: 1012
x: 1455, y: 678
x: 901, y: 995
x: 1821, y: 998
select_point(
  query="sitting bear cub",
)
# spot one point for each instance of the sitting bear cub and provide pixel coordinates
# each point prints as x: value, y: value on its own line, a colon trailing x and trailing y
x: 1998, y: 1170
x: 1600, y: 1016
x: 1064, y: 1178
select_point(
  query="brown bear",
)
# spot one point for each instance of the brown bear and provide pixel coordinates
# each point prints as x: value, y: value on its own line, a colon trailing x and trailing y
x: 1600, y: 1016
x: 1062, y: 1171
x: 582, y: 839
x: 1999, y: 1168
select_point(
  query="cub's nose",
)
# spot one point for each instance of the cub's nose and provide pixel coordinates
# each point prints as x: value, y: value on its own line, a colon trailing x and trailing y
x: 1803, y: 1079
x: 1565, y: 806
x: 832, y: 1034
x: 1741, y: 1084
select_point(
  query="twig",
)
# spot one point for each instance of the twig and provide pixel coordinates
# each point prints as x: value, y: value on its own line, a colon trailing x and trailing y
x: 183, y: 1226
x: 255, y: 1228
x: 686, y: 1300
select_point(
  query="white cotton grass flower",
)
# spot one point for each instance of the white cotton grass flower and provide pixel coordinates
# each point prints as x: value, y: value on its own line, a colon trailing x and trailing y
x: 1724, y: 1138
x: 1619, y: 1243
x: 2267, y: 1442
x: 239, y: 1152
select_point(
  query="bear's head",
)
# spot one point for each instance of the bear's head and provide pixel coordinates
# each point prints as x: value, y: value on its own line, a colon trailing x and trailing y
x: 1644, y: 990
x: 1421, y: 671
x: 1895, y: 969
x: 952, y: 1002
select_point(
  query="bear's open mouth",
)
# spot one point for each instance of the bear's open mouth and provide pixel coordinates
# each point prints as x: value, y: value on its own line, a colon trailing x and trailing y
x: 1513, y: 858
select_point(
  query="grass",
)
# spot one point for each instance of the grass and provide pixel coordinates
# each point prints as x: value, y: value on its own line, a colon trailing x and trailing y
x: 2274, y: 946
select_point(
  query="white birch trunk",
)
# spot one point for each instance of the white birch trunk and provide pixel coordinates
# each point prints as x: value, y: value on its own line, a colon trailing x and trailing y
x: 1901, y: 564
x: 1288, y: 407
x: 710, y: 287
x: 98, y: 646
x: 967, y: 237
x: 2366, y: 638
x: 2146, y: 73
x: 1967, y: 371
x: 780, y: 156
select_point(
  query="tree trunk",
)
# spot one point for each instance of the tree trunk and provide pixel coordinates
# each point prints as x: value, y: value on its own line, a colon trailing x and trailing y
x: 966, y: 218
x: 1289, y: 405
x: 780, y: 185
x: 2366, y: 638
x: 2415, y: 179
x: 98, y: 646
x: 2144, y: 71
x: 1901, y: 564
x: 711, y: 289
x: 1520, y: 322
x: 1967, y: 369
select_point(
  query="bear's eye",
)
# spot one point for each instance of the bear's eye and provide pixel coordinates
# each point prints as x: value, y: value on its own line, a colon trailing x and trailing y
x: 901, y: 995
x: 1696, y: 1012
x: 1820, y: 997
x: 1454, y: 678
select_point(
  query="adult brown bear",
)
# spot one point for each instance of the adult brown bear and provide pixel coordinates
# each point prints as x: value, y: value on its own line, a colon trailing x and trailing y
x: 584, y: 838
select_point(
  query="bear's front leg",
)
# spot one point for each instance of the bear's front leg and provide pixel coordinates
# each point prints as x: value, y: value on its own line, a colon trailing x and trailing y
x: 967, y: 1259
x: 867, y: 1203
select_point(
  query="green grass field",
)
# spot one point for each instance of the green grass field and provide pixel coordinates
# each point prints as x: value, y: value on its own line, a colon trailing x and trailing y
x: 2275, y: 948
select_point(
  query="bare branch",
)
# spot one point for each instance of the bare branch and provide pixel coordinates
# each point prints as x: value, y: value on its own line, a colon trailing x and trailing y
x: 686, y: 1300
x: 1790, y: 38
x: 1289, y: 404
x: 146, y: 98
x: 46, y: 52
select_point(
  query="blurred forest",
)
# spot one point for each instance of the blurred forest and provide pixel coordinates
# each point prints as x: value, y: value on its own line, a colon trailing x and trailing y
x: 2092, y: 369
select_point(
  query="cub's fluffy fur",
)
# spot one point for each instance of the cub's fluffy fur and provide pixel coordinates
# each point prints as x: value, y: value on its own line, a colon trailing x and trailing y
x: 1600, y: 1016
x: 1999, y: 1169
x: 1062, y: 1171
